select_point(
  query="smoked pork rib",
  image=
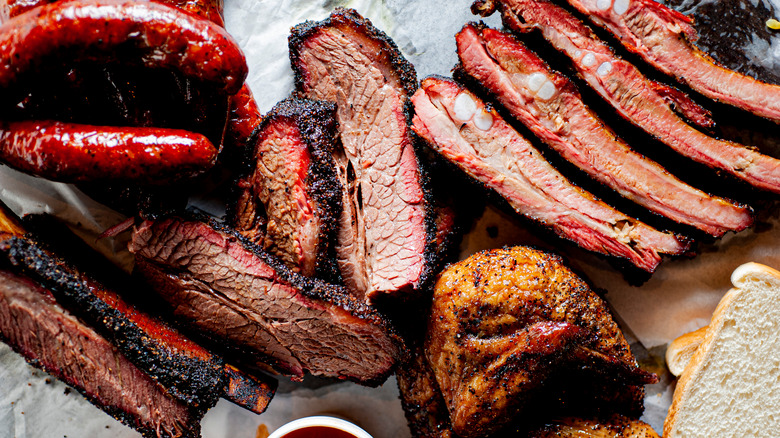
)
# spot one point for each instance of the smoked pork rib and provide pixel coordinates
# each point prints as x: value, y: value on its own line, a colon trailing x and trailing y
x: 666, y: 39
x: 642, y: 102
x: 345, y: 60
x: 476, y: 139
x: 290, y: 199
x: 549, y: 104
x: 51, y: 338
x: 231, y: 290
x: 185, y: 369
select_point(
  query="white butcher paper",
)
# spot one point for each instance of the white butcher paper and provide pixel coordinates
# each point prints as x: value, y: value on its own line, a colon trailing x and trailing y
x: 678, y: 298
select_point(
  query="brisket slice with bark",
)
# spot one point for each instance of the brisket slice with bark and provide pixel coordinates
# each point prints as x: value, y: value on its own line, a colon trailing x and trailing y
x: 476, y: 139
x: 345, y: 60
x: 550, y: 106
x: 51, y: 338
x: 666, y: 40
x: 290, y: 198
x: 231, y: 290
x: 644, y: 103
x: 185, y: 369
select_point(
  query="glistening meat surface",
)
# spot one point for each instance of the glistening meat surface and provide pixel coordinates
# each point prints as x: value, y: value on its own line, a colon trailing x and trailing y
x: 665, y: 39
x: 71, y: 152
x: 52, y: 339
x: 231, y: 289
x: 145, y: 33
x: 503, y: 322
x: 549, y: 104
x: 290, y: 199
x: 345, y: 60
x: 483, y: 145
x: 643, y: 102
x: 186, y: 370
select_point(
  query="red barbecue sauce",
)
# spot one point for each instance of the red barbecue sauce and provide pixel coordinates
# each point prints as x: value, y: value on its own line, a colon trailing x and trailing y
x: 318, y: 432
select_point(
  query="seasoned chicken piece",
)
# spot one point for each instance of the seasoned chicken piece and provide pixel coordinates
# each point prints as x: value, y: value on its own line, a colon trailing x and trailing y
x: 615, y: 427
x: 510, y: 327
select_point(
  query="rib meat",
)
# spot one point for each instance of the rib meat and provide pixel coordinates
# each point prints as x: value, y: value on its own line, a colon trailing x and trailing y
x: 52, y: 339
x: 234, y: 292
x: 643, y: 102
x: 666, y: 40
x: 506, y: 323
x: 289, y: 200
x: 345, y: 60
x: 549, y: 104
x: 475, y: 138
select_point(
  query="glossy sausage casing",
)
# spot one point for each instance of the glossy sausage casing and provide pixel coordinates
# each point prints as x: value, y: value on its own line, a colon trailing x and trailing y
x: 75, y: 153
x: 146, y: 33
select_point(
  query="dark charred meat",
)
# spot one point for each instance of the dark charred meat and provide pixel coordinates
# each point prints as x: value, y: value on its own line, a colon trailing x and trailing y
x: 228, y: 288
x: 549, y: 104
x: 146, y: 33
x: 666, y: 40
x: 50, y: 338
x: 345, y: 60
x: 289, y: 201
x: 643, y: 102
x: 505, y: 323
x: 427, y: 415
x: 70, y: 152
x: 475, y: 138
x: 616, y: 426
x: 187, y: 371
x: 247, y: 390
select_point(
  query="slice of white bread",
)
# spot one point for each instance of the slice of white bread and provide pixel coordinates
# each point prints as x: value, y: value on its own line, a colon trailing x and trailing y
x: 731, y: 387
x: 680, y: 351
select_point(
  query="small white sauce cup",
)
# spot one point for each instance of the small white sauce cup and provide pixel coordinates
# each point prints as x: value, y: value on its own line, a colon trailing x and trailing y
x: 323, y: 421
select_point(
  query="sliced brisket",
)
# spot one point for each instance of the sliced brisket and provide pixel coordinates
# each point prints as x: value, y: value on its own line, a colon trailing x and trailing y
x: 476, y: 139
x: 232, y: 290
x: 644, y: 103
x: 187, y: 371
x: 666, y: 40
x: 290, y: 198
x: 52, y: 339
x: 549, y: 104
x: 345, y: 60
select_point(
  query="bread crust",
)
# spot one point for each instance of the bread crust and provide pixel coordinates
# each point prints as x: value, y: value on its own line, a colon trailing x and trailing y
x: 681, y: 350
x: 741, y: 277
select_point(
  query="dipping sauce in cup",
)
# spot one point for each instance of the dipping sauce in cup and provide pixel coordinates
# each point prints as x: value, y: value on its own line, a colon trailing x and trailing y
x: 319, y: 427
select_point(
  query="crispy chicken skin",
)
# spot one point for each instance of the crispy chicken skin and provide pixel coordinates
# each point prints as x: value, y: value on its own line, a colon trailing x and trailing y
x: 505, y: 322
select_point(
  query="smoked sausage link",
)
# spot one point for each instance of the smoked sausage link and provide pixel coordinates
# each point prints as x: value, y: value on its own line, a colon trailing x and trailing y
x: 136, y: 32
x: 70, y: 152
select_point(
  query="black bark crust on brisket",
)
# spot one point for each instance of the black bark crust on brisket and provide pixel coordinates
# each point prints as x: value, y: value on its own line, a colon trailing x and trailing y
x: 386, y: 254
x: 350, y: 17
x: 317, y: 128
x: 34, y: 325
x: 194, y: 380
x: 177, y: 272
x: 248, y: 391
x: 252, y: 392
x: 310, y: 287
